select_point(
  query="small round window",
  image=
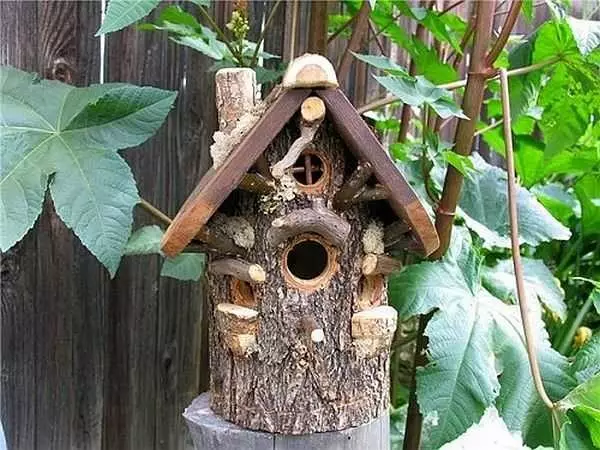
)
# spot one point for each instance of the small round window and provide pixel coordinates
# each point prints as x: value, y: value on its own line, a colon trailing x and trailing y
x: 308, y: 262
x: 311, y: 171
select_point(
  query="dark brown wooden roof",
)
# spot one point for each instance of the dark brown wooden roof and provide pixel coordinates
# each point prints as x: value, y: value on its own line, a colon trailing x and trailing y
x: 217, y: 184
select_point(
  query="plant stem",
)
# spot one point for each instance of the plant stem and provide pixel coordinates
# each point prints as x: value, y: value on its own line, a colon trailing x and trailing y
x: 566, y: 340
x: 460, y: 83
x: 566, y: 260
x: 528, y: 329
x: 154, y: 211
x: 496, y: 124
x: 221, y: 35
x: 451, y: 7
x: 254, y: 59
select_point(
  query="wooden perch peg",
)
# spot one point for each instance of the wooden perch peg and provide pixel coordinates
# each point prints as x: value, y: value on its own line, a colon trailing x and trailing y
x: 312, y: 111
x: 373, y: 330
x: 218, y: 242
x: 379, y: 265
x: 238, y: 326
x: 312, y: 329
x: 237, y: 268
x: 319, y: 220
x: 254, y: 182
x: 310, y: 71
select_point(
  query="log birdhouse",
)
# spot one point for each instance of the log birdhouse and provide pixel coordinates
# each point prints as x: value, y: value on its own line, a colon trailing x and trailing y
x: 299, y: 214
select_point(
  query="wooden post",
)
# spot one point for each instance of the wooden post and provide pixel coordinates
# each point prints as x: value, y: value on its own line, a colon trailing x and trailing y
x: 211, y: 432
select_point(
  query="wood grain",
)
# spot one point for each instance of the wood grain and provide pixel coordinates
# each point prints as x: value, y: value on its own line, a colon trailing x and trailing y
x: 364, y: 145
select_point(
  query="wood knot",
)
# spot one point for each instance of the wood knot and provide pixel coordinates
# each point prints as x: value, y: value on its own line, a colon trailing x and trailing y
x: 60, y: 70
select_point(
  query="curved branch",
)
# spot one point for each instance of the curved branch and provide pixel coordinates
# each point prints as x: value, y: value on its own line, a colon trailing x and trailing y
x: 319, y: 220
x: 528, y: 329
x: 509, y: 23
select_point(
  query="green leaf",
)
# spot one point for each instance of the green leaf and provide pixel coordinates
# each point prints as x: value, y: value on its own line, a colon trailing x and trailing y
x: 540, y: 284
x: 462, y: 163
x: 483, y: 205
x: 213, y: 49
x: 584, y: 401
x: 588, y: 192
x: 573, y: 435
x: 121, y: 13
x: 554, y: 39
x: 587, y: 360
x: 50, y: 128
x: 202, y: 3
x: 145, y: 241
x: 382, y: 63
x: 586, y: 34
x: 186, y: 266
x: 527, y: 10
x: 471, y: 336
x: 561, y: 203
x: 175, y: 20
x: 419, y: 91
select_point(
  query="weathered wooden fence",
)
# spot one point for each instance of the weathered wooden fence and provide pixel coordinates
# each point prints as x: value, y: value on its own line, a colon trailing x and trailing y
x: 94, y: 363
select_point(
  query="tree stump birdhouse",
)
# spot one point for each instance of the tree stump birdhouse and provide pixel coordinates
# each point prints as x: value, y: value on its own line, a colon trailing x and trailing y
x: 299, y: 215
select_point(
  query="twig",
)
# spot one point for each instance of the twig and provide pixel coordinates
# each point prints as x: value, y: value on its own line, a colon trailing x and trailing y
x: 375, y: 37
x: 341, y: 29
x: 509, y: 23
x: 460, y: 83
x: 359, y: 30
x: 516, y: 253
x: 451, y: 7
x: 254, y: 59
x: 489, y: 127
x: 153, y: 210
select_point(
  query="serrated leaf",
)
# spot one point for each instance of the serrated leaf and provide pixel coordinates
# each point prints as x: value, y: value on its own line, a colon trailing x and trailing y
x: 573, y: 435
x: 554, y: 39
x: 587, y: 360
x: 561, y: 203
x: 145, y: 241
x: 185, y: 267
x: 120, y: 13
x: 539, y: 282
x: 419, y: 91
x: 213, y: 49
x: 473, y: 329
x: 462, y: 163
x: 50, y: 128
x: 459, y: 382
x: 586, y: 34
x: 483, y: 205
x: 175, y: 20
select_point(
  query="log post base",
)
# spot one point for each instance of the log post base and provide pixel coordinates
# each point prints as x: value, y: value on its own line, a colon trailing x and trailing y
x: 210, y: 432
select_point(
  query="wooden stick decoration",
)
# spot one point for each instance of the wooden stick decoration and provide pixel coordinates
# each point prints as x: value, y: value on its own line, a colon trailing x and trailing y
x: 254, y: 182
x: 379, y: 265
x: 353, y: 185
x: 312, y: 329
x: 313, y: 113
x: 371, y: 194
x: 319, y: 220
x: 240, y: 269
x: 394, y: 233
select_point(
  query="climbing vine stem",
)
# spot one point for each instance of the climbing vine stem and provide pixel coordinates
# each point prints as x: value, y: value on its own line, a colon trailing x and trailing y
x: 528, y: 329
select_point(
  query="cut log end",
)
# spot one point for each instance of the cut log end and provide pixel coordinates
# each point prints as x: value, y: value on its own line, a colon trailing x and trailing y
x: 373, y: 330
x: 257, y: 273
x: 237, y: 268
x: 310, y: 71
x: 312, y: 110
x: 379, y: 265
x: 238, y: 326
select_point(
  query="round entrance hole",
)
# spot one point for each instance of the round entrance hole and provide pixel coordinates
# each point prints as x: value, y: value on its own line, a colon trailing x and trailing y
x: 308, y: 262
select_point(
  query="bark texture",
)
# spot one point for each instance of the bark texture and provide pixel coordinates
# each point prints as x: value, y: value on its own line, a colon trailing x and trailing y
x: 292, y: 385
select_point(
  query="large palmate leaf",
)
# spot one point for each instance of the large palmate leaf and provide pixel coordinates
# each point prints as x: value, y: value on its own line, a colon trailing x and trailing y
x: 540, y: 284
x: 66, y: 137
x: 186, y: 266
x: 587, y: 360
x: 418, y: 91
x: 586, y: 34
x: 121, y: 13
x: 472, y: 335
x: 483, y: 204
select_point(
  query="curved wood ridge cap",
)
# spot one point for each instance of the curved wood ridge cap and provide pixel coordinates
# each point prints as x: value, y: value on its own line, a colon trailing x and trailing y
x: 310, y: 71
x: 366, y: 147
x: 219, y: 182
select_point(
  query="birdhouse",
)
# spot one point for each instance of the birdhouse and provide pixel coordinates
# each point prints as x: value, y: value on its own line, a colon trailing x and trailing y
x: 299, y: 215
